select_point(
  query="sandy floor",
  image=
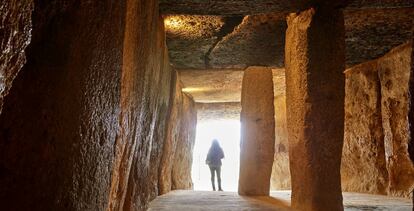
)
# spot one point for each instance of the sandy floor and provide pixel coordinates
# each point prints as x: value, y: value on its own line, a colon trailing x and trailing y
x: 279, y: 200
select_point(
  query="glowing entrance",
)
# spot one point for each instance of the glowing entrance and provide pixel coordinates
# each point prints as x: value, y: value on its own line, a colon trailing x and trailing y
x: 228, y: 134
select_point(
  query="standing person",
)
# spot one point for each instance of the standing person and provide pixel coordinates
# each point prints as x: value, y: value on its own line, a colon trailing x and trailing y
x: 214, y: 156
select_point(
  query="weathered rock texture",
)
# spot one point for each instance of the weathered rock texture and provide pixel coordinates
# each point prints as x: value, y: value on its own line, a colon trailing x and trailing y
x: 280, y: 171
x: 212, y: 86
x: 394, y: 73
x: 172, y: 137
x: 248, y: 7
x: 190, y: 39
x: 84, y: 124
x: 257, y: 132
x: 176, y: 161
x: 315, y: 60
x: 363, y: 166
x: 222, y: 86
x: 411, y: 106
x: 202, y: 42
x: 375, y: 157
x: 60, y: 119
x: 371, y: 33
x: 146, y: 84
x: 218, y: 111
x: 181, y: 171
x: 259, y: 39
x: 15, y: 27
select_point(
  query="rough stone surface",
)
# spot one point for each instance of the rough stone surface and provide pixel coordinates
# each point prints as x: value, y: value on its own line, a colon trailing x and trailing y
x: 394, y: 73
x: 248, y: 7
x: 371, y: 33
x: 257, y: 132
x: 181, y: 171
x: 171, y: 138
x: 411, y: 106
x: 315, y: 61
x: 214, y: 201
x: 223, y: 86
x: 363, y: 166
x: 15, y: 35
x: 190, y: 39
x: 259, y: 39
x: 218, y: 111
x: 60, y: 119
x: 146, y: 84
x: 212, y: 86
x: 280, y: 172
x: 202, y: 42
x: 375, y: 157
x: 278, y: 200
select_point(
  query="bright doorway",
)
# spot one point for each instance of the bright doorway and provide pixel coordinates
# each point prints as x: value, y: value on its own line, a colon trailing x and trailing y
x: 227, y: 132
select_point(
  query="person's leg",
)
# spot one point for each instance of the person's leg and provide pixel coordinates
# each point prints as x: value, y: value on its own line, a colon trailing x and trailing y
x: 218, y: 170
x: 212, y: 178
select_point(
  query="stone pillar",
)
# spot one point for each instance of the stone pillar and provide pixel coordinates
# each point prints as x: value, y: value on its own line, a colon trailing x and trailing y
x: 257, y: 132
x: 315, y: 83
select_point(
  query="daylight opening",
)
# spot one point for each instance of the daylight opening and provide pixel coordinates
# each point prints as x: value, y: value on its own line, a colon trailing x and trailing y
x: 227, y: 132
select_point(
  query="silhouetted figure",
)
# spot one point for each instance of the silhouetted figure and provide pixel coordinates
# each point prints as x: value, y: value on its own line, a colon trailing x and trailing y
x: 214, y: 156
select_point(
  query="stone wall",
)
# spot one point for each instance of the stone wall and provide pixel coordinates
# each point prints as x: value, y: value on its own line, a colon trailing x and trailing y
x: 145, y: 103
x: 172, y: 137
x: 84, y: 124
x: 363, y: 163
x: 280, y: 173
x: 394, y: 72
x: 60, y: 119
x: 15, y: 27
x: 175, y: 167
x: 181, y: 170
x: 375, y: 156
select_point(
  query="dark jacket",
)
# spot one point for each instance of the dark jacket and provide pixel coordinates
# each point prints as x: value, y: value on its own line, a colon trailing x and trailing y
x: 214, y: 156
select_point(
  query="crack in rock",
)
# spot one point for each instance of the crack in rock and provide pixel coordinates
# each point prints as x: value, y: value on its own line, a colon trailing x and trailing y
x: 230, y: 24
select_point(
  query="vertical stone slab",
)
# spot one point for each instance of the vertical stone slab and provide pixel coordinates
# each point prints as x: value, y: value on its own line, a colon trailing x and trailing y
x: 411, y: 107
x: 61, y: 117
x: 363, y: 166
x: 183, y: 159
x: 145, y: 100
x: 172, y: 136
x: 315, y: 83
x: 257, y: 132
x: 280, y: 172
x: 394, y: 73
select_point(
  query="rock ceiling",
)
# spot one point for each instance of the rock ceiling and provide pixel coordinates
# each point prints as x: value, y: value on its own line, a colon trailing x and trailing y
x: 217, y: 86
x: 211, y: 49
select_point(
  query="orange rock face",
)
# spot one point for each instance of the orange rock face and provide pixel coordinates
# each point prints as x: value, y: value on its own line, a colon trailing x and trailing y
x: 363, y: 159
x: 315, y: 60
x: 394, y: 73
x: 280, y: 171
x: 171, y: 138
x: 257, y: 132
x: 375, y: 155
x: 183, y: 159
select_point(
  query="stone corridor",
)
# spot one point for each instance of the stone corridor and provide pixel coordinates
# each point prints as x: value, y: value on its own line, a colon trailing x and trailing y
x: 100, y: 101
x: 278, y: 200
